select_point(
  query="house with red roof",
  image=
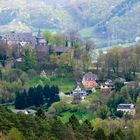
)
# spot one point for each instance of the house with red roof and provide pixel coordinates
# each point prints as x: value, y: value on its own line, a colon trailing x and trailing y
x: 89, y: 80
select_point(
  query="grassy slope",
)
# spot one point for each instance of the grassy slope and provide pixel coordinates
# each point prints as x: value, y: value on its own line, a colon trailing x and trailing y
x: 83, y: 113
x: 66, y: 83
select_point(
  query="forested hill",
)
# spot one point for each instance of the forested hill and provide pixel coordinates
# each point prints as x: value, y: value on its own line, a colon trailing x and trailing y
x: 113, y: 18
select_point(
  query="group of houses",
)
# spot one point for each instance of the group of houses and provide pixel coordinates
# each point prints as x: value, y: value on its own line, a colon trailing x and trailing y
x: 37, y: 42
x: 90, y: 81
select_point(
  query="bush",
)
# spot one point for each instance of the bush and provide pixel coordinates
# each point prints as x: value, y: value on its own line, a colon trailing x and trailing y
x: 119, y: 114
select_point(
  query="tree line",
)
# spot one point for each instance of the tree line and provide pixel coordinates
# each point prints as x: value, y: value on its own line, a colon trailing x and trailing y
x: 37, y: 96
x: 120, y: 62
x: 21, y: 127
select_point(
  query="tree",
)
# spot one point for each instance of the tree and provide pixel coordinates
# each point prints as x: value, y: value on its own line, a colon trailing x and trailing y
x: 41, y: 114
x: 100, y: 135
x: 59, y: 40
x: 113, y: 59
x: 103, y: 111
x: 118, y: 84
x: 46, y: 92
x: 31, y: 96
x: 29, y: 59
x: 21, y: 100
x: 119, y: 114
x: 38, y: 96
x: 73, y: 121
x: 48, y: 37
x: 4, y: 52
x: 15, y: 134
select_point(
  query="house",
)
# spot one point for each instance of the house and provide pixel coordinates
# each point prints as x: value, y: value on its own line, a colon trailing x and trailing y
x: 60, y: 50
x: 105, y: 89
x: 107, y: 86
x: 130, y: 84
x: 89, y: 80
x: 38, y: 43
x: 26, y: 112
x: 21, y: 39
x: 78, y: 95
x: 109, y: 83
x: 127, y: 109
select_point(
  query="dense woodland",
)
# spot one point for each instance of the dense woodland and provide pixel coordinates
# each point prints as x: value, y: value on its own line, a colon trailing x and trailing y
x: 97, y: 118
x: 20, y: 127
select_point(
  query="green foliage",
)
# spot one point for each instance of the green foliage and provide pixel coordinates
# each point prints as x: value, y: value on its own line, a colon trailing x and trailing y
x: 29, y: 59
x: 54, y: 39
x: 118, y: 84
x: 14, y: 134
x: 35, y: 127
x: 37, y: 96
x: 40, y: 113
x: 100, y: 135
x: 103, y: 112
x: 119, y: 114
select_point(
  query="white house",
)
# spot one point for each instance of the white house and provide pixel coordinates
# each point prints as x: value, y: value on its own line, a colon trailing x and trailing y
x: 24, y: 111
x: 78, y: 94
x: 127, y: 108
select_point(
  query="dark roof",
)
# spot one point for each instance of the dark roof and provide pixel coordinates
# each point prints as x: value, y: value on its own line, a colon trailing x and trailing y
x: 21, y: 37
x: 90, y: 76
x: 42, y: 48
x: 59, y: 49
x: 125, y: 106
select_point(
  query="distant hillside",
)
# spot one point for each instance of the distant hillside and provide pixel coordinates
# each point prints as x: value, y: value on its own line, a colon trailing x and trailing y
x: 107, y: 22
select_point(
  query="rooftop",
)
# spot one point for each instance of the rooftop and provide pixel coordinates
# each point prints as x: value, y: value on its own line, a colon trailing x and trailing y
x: 90, y: 76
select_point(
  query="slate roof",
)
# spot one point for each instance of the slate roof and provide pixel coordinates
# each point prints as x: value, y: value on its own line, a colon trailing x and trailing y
x: 21, y: 37
x: 125, y: 106
x: 90, y: 76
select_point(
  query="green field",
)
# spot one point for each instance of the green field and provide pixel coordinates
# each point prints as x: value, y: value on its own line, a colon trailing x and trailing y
x: 65, y: 83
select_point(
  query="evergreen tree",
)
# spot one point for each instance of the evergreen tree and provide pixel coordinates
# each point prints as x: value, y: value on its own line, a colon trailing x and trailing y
x: 21, y: 100
x: 46, y: 92
x: 100, y: 134
x: 73, y: 121
x: 31, y: 97
x: 41, y: 114
x: 38, y: 96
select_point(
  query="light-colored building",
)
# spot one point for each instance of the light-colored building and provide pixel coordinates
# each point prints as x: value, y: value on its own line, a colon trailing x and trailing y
x: 127, y: 109
x: 24, y: 111
x: 78, y: 95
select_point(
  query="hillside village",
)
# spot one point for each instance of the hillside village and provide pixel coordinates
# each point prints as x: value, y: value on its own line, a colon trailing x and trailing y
x: 49, y: 75
x: 69, y: 70
x: 87, y: 84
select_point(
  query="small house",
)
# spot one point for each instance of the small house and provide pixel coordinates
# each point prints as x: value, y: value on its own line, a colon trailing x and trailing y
x: 127, y: 109
x: 89, y: 80
x: 78, y: 95
x: 105, y: 89
x: 130, y: 84
x: 109, y: 83
x: 24, y: 111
